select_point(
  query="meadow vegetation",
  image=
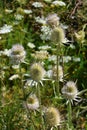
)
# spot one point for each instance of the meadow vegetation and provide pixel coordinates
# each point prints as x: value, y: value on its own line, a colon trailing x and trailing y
x: 43, y: 65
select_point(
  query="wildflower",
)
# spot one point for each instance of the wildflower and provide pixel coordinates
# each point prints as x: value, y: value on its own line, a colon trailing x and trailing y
x: 17, y: 54
x: 70, y: 91
x: 31, y: 45
x: 52, y: 58
x: 58, y: 3
x: 32, y: 102
x: 41, y: 55
x: 52, y: 20
x: 5, y: 29
x: 66, y: 59
x: 60, y: 73
x: 37, y: 72
x: 46, y: 47
x: 26, y: 11
x: 6, y: 52
x: 15, y: 66
x: 49, y: 73
x: 30, y: 83
x: 52, y: 117
x: 19, y: 17
x: 45, y: 33
x: 76, y: 59
x: 37, y: 4
x: 58, y: 35
x: 40, y: 20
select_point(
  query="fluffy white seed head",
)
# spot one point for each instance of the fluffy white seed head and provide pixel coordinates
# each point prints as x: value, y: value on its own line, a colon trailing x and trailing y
x: 57, y: 35
x: 70, y: 90
x: 32, y: 102
x: 52, y: 117
x: 52, y: 20
x: 37, y: 72
x: 17, y: 54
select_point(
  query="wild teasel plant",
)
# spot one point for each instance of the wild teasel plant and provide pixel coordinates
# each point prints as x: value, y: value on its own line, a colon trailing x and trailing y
x: 20, y: 21
x: 52, y: 117
x: 57, y: 37
x: 37, y: 73
x: 17, y: 54
x: 70, y: 92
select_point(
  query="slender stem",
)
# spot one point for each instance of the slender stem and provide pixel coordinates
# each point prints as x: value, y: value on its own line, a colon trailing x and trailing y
x: 39, y: 96
x: 62, y: 65
x: 24, y: 96
x: 69, y: 115
x: 54, y: 89
x: 57, y: 56
x: 30, y: 116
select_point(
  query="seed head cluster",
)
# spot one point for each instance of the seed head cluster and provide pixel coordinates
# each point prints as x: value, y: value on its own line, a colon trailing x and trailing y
x: 58, y: 35
x: 52, y: 117
x: 32, y: 102
x: 37, y: 72
x: 70, y: 90
x: 17, y: 54
x: 52, y: 20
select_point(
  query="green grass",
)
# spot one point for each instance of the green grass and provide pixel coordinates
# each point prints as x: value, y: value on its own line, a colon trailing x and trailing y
x: 13, y: 93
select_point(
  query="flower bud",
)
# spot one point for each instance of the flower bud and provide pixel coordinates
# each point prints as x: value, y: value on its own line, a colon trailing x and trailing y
x: 52, y: 117
x: 37, y: 72
x: 17, y: 54
x: 32, y: 102
x: 57, y: 35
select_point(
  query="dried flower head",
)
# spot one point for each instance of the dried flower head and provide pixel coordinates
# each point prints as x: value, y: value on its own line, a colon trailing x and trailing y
x: 58, y: 35
x: 37, y: 72
x: 70, y: 90
x: 52, y: 117
x: 52, y: 20
x: 17, y: 54
x: 60, y: 73
x: 32, y: 102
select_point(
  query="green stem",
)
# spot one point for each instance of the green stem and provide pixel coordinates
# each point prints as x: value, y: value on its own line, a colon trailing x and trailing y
x: 69, y: 115
x: 39, y: 96
x: 24, y: 96
x: 29, y: 115
x: 57, y: 58
x: 54, y: 90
